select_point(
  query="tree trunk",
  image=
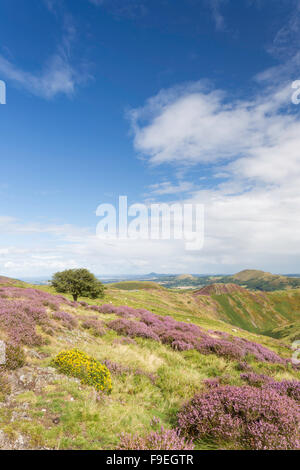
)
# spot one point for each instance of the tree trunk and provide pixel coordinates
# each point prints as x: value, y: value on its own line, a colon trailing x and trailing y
x: 75, y: 297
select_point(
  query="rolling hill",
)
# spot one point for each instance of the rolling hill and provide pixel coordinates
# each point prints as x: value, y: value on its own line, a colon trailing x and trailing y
x: 140, y: 336
x: 260, y: 280
x: 136, y: 285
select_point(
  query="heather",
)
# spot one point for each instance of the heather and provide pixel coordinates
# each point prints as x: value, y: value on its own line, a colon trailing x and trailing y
x: 4, y: 385
x: 164, y: 439
x: 94, y: 325
x: 289, y: 388
x: 183, y: 336
x: 22, y: 310
x: 152, y: 345
x: 242, y: 417
x: 14, y: 357
x: 66, y: 319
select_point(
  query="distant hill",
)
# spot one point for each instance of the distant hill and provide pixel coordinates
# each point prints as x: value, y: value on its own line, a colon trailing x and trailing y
x: 219, y: 289
x: 249, y: 274
x: 136, y: 285
x: 260, y: 280
x: 255, y: 311
x: 183, y: 277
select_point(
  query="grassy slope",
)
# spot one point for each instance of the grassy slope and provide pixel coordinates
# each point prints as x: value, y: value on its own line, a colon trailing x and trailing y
x: 256, y: 312
x: 89, y: 422
x: 135, y: 285
x: 255, y: 279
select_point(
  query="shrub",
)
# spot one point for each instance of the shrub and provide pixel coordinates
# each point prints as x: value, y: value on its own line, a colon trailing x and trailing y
x: 184, y: 336
x: 164, y: 439
x: 290, y: 388
x: 14, y: 357
x: 21, y: 310
x: 133, y: 328
x: 257, y: 380
x: 94, y: 325
x: 244, y: 417
x: 90, y: 371
x: 4, y: 385
x: 78, y: 282
x: 66, y: 318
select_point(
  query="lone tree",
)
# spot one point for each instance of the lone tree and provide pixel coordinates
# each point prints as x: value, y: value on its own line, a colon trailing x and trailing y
x: 78, y: 282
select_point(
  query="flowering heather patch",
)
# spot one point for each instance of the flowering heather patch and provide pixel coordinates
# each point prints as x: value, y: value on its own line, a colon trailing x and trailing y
x: 256, y: 380
x: 21, y: 310
x: 181, y: 346
x: 244, y: 417
x: 14, y: 357
x: 243, y: 366
x: 132, y: 328
x: 94, y: 325
x: 290, y: 388
x: 78, y: 364
x: 19, y: 319
x: 183, y: 336
x: 66, y: 318
x: 4, y: 385
x: 212, y: 383
x: 164, y: 439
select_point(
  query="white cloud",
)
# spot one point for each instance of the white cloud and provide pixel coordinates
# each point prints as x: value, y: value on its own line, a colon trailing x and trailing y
x: 251, y: 217
x: 193, y: 124
x: 218, y: 17
x: 58, y: 75
x: 166, y: 187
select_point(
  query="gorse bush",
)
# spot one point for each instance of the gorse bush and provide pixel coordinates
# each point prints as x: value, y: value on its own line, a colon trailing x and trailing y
x: 242, y: 417
x: 164, y: 439
x: 90, y: 371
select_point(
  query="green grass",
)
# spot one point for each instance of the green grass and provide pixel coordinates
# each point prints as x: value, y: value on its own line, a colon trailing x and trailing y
x: 65, y: 414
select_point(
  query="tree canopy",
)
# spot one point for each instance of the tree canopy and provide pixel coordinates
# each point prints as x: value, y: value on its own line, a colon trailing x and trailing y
x: 78, y: 283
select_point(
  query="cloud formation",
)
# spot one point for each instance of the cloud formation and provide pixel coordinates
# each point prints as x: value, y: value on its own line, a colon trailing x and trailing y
x: 215, y: 7
x: 58, y: 75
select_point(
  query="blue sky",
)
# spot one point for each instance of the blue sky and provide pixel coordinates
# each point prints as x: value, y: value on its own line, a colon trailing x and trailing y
x: 159, y: 100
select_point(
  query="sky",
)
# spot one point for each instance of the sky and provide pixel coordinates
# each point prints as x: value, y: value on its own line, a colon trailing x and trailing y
x: 164, y: 101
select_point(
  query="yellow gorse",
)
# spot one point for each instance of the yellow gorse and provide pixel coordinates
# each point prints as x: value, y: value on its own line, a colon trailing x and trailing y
x: 90, y: 371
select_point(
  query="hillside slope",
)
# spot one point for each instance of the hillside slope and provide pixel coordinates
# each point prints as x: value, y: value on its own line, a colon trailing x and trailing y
x: 252, y: 310
x: 158, y: 358
x: 260, y: 280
